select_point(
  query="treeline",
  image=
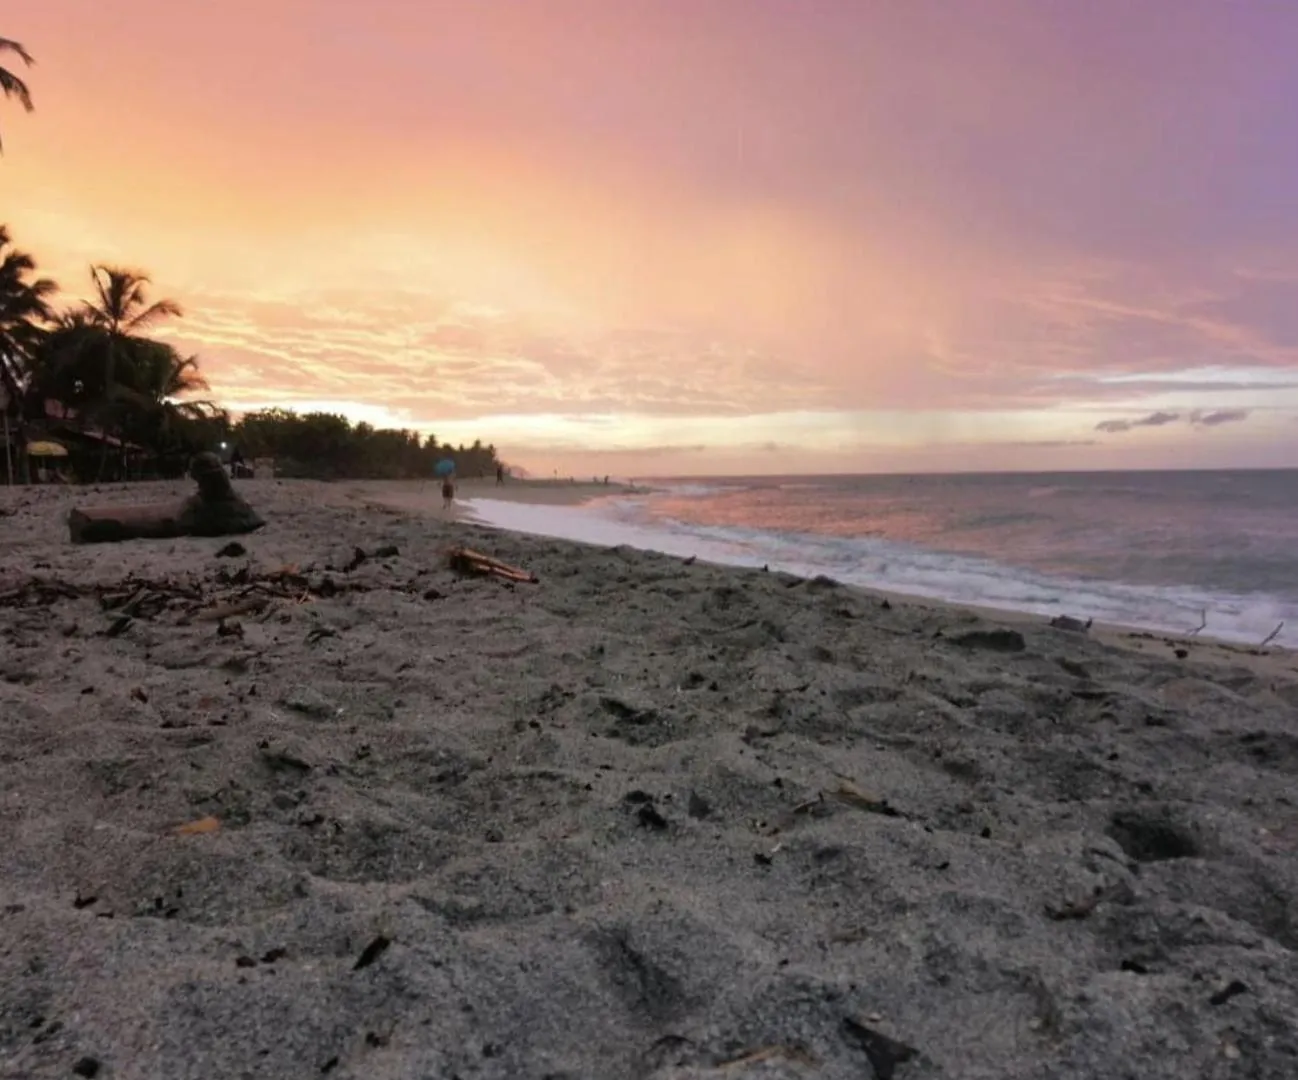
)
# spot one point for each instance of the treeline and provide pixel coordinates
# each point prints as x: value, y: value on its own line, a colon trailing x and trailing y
x: 124, y: 405
x: 326, y: 446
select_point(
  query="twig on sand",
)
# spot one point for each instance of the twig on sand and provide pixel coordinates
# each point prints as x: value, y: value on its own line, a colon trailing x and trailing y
x: 793, y: 1054
x: 1271, y: 636
x: 250, y: 606
x: 1203, y: 623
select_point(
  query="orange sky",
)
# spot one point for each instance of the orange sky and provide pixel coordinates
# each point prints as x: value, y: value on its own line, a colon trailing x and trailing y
x: 667, y: 237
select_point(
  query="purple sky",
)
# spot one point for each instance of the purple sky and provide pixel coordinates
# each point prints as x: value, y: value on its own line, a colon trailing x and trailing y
x: 701, y: 235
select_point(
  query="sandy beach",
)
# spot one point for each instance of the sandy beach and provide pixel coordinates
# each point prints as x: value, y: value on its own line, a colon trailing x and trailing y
x: 642, y: 819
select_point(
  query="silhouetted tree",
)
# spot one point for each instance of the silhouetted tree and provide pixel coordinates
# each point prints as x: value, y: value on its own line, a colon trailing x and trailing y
x: 11, y: 86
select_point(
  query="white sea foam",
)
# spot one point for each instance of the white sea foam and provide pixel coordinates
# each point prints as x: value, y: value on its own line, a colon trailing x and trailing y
x: 902, y: 568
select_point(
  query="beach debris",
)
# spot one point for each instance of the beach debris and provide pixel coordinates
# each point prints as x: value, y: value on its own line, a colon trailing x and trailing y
x: 250, y: 606
x: 698, y: 806
x: 216, y: 510
x: 1180, y: 654
x: 1001, y: 639
x: 690, y: 561
x: 86, y: 1066
x: 465, y: 561
x: 81, y: 902
x: 376, y: 948
x: 851, y: 795
x: 201, y: 827
x: 1270, y: 637
x: 1072, y: 625
x: 1203, y: 623
x: 1232, y: 989
x: 650, y: 818
x: 232, y: 550
x: 796, y: 1055
x: 885, y: 1053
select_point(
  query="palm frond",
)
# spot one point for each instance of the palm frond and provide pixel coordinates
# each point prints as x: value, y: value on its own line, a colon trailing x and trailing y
x: 12, y: 46
x: 161, y: 309
x: 14, y: 87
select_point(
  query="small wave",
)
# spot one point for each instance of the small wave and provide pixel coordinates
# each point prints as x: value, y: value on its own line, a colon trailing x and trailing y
x: 908, y: 569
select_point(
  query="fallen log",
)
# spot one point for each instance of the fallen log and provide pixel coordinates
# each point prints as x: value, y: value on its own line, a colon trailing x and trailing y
x: 216, y: 510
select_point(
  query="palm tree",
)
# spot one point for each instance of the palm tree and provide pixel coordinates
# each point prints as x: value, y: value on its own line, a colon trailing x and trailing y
x: 10, y: 84
x: 24, y: 310
x: 95, y: 351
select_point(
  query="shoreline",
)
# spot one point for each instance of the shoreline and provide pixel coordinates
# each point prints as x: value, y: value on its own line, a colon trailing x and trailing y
x: 1144, y: 639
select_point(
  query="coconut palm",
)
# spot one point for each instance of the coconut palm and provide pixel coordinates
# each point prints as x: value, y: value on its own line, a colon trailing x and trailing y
x: 93, y: 355
x: 24, y: 310
x: 10, y: 84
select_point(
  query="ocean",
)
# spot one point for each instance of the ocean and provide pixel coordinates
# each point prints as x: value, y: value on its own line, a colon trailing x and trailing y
x: 1155, y: 550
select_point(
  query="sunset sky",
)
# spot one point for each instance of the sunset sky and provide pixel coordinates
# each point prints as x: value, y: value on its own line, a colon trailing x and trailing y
x: 663, y: 237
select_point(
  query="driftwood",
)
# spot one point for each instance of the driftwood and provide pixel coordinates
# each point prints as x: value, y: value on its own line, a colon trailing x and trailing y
x: 215, y: 510
x: 1271, y: 636
x: 1203, y: 624
x: 465, y: 561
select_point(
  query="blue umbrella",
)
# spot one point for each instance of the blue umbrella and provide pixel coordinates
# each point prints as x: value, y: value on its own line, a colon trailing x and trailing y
x: 445, y: 467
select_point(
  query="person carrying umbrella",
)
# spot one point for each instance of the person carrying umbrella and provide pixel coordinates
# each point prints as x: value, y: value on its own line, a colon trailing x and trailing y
x: 446, y: 470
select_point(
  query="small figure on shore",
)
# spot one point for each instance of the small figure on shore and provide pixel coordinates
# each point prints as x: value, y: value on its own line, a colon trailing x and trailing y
x: 448, y: 492
x: 500, y: 475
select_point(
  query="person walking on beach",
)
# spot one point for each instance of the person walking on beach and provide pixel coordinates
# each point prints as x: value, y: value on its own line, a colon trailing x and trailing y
x: 448, y: 491
x: 500, y: 475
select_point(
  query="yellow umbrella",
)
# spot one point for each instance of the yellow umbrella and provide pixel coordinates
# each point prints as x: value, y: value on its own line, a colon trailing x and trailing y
x: 47, y: 449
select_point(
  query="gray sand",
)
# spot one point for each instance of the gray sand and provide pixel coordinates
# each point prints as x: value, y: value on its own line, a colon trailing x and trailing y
x: 641, y: 820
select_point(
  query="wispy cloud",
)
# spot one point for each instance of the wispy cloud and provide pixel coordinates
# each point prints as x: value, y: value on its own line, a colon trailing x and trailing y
x: 1156, y: 419
x: 1196, y: 418
x: 1218, y: 416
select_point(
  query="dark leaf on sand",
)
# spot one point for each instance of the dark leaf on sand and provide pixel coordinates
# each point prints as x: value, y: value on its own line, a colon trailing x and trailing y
x: 358, y: 557
x: 330, y: 1065
x: 118, y: 626
x: 84, y: 901
x: 388, y: 551
x: 274, y: 954
x: 232, y: 550
x: 649, y: 817
x: 86, y: 1066
x: 885, y: 1054
x: 373, y: 951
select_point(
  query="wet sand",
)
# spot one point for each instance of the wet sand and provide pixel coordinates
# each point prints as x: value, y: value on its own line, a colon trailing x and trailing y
x: 645, y: 818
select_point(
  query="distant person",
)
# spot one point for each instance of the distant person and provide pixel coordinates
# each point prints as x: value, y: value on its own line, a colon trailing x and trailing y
x: 448, y: 492
x: 500, y: 475
x: 236, y: 463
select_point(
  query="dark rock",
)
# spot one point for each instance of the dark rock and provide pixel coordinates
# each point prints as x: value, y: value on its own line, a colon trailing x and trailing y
x: 86, y: 1066
x: 232, y: 550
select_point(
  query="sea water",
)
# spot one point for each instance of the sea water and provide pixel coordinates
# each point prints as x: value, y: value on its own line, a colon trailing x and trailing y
x: 1159, y: 550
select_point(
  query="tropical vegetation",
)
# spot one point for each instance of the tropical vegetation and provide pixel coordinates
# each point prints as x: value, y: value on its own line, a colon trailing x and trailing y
x: 11, y: 86
x: 125, y: 404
